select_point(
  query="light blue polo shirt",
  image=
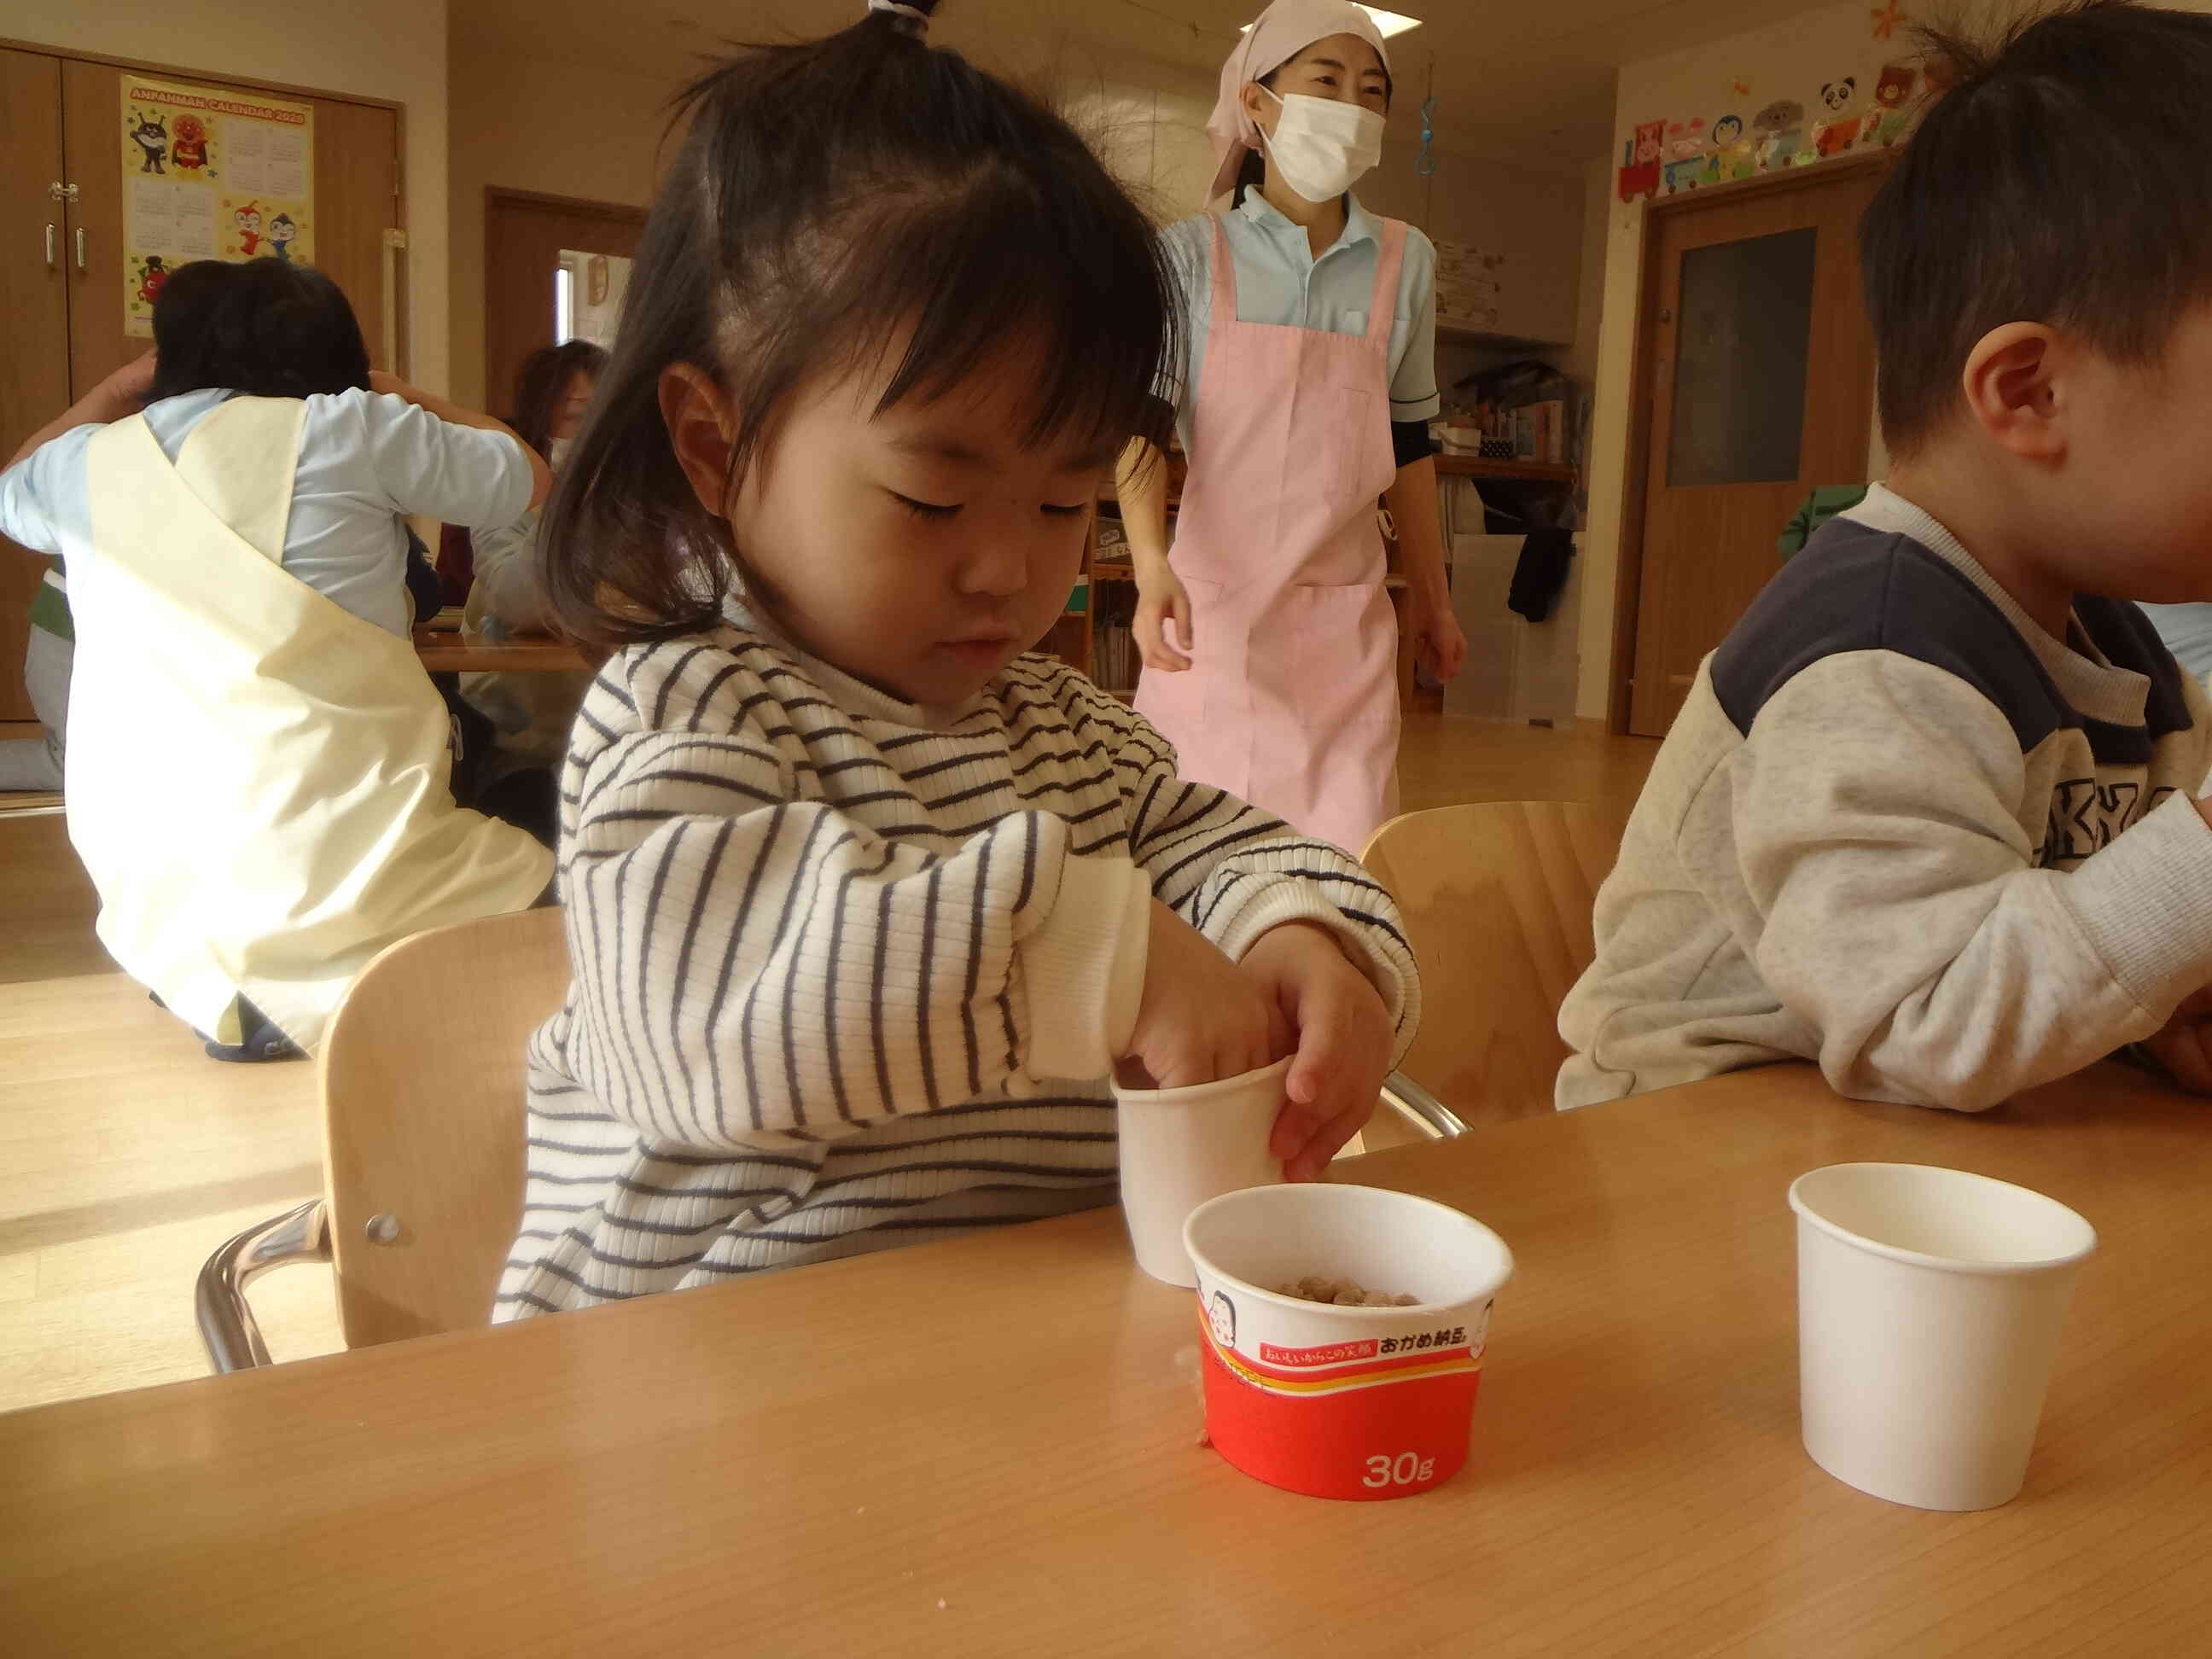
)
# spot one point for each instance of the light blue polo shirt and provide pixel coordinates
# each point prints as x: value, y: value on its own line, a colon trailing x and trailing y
x: 1279, y: 281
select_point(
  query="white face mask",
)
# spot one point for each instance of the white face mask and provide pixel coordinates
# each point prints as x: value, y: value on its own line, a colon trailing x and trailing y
x: 1321, y: 146
x: 557, y: 451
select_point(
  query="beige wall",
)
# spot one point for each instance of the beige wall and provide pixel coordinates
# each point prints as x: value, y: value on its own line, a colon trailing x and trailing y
x: 535, y: 124
x: 1583, y: 356
x: 394, y: 50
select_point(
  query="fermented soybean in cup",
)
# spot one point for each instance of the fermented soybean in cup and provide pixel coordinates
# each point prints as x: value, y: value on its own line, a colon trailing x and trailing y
x: 1342, y: 1402
x: 1929, y: 1306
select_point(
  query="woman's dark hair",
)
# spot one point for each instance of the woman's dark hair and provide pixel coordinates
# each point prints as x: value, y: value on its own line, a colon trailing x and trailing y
x: 543, y: 385
x: 826, y: 197
x: 1252, y: 171
x: 266, y: 328
x: 2059, y: 180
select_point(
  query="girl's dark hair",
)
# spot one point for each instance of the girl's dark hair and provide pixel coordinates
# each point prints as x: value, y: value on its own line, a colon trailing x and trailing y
x: 266, y: 328
x: 2059, y: 180
x: 1252, y: 171
x: 825, y: 196
x: 543, y: 384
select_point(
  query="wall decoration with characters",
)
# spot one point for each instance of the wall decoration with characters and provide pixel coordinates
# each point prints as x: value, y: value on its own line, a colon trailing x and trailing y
x: 1666, y: 157
x: 209, y: 174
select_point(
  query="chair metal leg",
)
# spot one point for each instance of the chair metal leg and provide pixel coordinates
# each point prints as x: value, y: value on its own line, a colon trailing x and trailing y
x: 228, y: 1328
x: 1426, y: 1112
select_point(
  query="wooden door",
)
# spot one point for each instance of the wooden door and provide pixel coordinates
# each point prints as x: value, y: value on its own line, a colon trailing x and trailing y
x: 1760, y: 378
x: 357, y: 184
x: 525, y: 235
x: 34, y: 254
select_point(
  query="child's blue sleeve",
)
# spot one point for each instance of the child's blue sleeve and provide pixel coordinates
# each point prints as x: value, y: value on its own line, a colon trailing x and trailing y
x: 459, y: 474
x: 42, y: 496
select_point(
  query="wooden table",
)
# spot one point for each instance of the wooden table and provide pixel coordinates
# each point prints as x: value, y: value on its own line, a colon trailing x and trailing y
x: 990, y: 1447
x: 444, y: 652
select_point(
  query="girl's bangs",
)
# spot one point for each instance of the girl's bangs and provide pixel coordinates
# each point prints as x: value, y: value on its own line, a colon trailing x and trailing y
x: 1084, y: 300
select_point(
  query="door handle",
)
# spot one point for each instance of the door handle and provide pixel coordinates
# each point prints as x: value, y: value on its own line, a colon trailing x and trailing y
x: 80, y: 248
x: 52, y: 231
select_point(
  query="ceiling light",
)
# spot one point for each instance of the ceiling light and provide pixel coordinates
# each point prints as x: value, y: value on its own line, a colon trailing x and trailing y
x: 1390, y: 22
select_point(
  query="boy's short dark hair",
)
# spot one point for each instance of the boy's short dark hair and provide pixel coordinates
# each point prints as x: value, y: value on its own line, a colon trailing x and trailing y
x: 266, y: 328
x: 2061, y: 179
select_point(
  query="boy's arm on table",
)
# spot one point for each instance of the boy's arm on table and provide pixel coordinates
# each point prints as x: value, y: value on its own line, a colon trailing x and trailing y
x: 747, y: 964
x: 1903, y: 914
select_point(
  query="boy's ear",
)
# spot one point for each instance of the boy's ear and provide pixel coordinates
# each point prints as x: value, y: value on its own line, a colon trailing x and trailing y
x: 2012, y: 385
x: 700, y: 430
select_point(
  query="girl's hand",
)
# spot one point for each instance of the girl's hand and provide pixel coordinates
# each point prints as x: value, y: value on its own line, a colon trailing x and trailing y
x: 1436, y: 636
x: 1201, y: 1019
x: 2184, y: 1044
x: 1160, y: 598
x: 1344, y: 1043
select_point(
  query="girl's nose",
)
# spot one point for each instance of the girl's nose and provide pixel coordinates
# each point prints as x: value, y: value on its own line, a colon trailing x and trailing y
x: 997, y: 567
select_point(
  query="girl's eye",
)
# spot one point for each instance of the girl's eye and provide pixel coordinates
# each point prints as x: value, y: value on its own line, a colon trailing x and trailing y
x: 1075, y: 512
x: 923, y: 509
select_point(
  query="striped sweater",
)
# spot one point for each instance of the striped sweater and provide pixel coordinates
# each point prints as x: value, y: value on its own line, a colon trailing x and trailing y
x: 848, y: 974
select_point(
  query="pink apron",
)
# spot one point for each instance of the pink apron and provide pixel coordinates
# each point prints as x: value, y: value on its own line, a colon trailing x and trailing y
x: 1290, y: 700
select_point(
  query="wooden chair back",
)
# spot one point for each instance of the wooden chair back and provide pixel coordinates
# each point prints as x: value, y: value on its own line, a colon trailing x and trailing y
x: 1496, y: 898
x: 421, y: 1073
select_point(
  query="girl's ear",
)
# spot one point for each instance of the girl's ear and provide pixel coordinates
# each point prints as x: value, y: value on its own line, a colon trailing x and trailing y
x: 700, y: 430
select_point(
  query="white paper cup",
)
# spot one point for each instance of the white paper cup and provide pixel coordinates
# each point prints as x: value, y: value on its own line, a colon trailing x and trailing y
x: 1181, y: 1147
x: 1930, y: 1303
x: 1361, y: 1403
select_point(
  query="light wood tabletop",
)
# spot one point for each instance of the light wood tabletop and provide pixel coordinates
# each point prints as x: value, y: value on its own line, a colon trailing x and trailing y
x: 443, y: 652
x: 990, y: 1446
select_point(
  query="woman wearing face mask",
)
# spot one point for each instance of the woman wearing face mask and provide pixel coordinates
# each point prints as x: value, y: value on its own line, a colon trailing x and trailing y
x: 1269, y: 642
x: 531, y: 714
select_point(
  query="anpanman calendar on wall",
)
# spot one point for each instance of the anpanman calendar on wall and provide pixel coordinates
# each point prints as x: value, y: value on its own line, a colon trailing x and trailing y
x: 209, y: 174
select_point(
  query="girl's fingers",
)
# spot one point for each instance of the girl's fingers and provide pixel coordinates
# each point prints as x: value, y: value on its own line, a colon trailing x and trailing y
x: 1319, y: 1151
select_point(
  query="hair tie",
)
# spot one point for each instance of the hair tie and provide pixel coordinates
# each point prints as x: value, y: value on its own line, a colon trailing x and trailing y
x: 916, y: 21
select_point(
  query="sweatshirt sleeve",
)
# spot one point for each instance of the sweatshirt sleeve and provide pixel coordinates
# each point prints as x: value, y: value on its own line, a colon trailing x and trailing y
x: 1234, y: 872
x: 1900, y: 911
x: 746, y: 963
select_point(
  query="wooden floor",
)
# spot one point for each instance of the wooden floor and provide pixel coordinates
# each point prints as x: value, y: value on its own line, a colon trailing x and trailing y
x: 127, y: 1155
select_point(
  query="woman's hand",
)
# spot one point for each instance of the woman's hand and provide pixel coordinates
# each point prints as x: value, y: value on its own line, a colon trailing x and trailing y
x: 1436, y: 636
x: 1160, y: 600
x: 1344, y: 1043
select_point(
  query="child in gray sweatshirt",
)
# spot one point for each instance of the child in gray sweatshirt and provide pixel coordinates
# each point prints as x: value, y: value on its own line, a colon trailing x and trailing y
x: 1929, y: 817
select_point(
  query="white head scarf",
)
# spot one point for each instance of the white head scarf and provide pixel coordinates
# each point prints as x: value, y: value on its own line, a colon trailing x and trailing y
x: 1283, y: 30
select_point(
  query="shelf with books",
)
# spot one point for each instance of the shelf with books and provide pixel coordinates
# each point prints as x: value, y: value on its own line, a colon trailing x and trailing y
x: 1449, y: 465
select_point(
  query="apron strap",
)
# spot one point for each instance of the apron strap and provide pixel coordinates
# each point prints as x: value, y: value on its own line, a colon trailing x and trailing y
x: 1390, y: 258
x: 1225, y: 274
x: 240, y: 459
